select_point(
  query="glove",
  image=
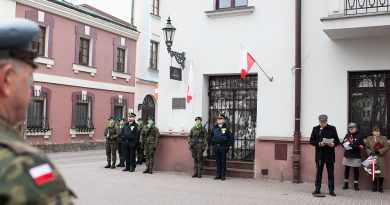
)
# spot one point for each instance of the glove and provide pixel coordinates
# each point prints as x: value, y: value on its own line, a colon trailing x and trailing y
x: 154, y: 149
x: 373, y: 153
x: 377, y: 152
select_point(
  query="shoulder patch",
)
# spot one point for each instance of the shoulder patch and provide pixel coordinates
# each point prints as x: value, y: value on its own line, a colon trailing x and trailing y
x: 42, y: 174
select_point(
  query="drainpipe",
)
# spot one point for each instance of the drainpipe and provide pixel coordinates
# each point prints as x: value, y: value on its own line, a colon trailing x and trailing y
x: 296, y: 158
x: 132, y: 12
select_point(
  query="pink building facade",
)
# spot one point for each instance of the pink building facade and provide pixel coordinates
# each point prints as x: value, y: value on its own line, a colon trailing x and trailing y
x: 86, y: 73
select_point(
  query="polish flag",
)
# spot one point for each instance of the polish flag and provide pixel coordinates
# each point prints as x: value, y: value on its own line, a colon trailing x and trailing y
x: 190, y: 85
x: 42, y: 174
x: 246, y: 64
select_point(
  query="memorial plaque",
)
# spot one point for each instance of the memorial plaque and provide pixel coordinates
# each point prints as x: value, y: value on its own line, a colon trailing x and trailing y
x: 175, y: 74
x: 178, y: 103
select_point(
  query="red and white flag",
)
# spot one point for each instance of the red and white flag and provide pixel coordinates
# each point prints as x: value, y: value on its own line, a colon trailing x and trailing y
x: 42, y: 174
x: 190, y: 85
x: 246, y: 64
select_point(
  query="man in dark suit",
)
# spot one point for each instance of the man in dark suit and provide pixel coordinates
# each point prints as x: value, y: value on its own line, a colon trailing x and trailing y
x: 324, y: 137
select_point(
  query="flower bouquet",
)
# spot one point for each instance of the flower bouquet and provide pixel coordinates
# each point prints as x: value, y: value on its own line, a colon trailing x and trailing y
x: 371, y: 167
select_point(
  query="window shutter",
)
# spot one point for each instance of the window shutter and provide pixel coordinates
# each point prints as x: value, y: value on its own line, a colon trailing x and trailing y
x: 79, y: 31
x: 93, y: 35
x: 49, y: 21
x: 74, y: 102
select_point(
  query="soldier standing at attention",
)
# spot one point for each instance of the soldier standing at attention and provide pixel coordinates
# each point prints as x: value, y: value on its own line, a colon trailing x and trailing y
x: 150, y: 135
x: 222, y: 139
x: 140, y: 149
x: 120, y: 143
x: 130, y: 135
x: 111, y: 133
x: 26, y: 174
x: 197, y: 139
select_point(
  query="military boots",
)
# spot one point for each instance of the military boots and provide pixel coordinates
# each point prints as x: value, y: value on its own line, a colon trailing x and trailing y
x: 113, y: 164
x: 108, y: 165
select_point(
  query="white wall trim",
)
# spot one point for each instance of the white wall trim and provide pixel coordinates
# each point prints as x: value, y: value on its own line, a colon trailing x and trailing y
x: 60, y: 80
x: 116, y: 75
x: 230, y: 12
x: 80, y: 17
x: 77, y: 68
x: 41, y: 16
x: 73, y: 133
x: 46, y: 135
x: 46, y: 61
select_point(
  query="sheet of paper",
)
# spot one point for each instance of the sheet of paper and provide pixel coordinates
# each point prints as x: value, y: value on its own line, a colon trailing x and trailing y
x: 347, y: 146
x: 327, y: 141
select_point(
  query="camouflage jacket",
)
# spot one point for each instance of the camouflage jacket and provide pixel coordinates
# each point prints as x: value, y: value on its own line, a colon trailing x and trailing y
x: 150, y: 135
x: 198, y: 138
x: 26, y: 174
x: 140, y: 128
x: 119, y: 135
x: 111, y: 134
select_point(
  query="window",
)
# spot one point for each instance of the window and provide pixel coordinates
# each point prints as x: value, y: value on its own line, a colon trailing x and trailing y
x: 153, y: 55
x: 84, y: 51
x: 369, y: 95
x: 156, y: 7
x: 37, y: 115
x: 121, y: 57
x: 39, y: 42
x: 223, y: 4
x: 119, y: 107
x: 82, y: 112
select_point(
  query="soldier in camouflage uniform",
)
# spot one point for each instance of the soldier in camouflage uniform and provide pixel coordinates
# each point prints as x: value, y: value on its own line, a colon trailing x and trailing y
x: 197, y: 139
x: 26, y: 175
x: 149, y: 136
x: 111, y: 134
x: 140, y: 149
x: 120, y: 143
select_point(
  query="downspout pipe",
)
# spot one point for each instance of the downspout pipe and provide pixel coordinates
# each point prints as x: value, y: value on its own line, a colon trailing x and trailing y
x: 296, y: 158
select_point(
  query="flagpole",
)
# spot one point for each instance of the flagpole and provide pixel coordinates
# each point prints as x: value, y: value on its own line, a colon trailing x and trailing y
x: 269, y: 78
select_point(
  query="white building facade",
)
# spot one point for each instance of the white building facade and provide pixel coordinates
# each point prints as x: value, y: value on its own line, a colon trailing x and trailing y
x: 345, y: 74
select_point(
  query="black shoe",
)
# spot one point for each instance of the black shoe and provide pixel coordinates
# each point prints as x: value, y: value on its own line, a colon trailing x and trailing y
x: 150, y: 172
x: 317, y: 191
x: 194, y: 175
x: 108, y: 166
x: 132, y: 170
x: 345, y: 185
x: 199, y: 175
x: 112, y: 167
x: 126, y: 169
x: 223, y: 178
x: 146, y: 171
x: 217, y: 177
x: 356, y: 186
x: 332, y: 193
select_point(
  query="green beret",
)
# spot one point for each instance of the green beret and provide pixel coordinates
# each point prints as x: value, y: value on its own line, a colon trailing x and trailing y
x: 151, y: 118
x: 140, y: 119
x: 198, y: 118
x: 111, y: 118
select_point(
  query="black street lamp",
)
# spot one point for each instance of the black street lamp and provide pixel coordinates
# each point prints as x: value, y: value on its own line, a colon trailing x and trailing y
x: 169, y: 34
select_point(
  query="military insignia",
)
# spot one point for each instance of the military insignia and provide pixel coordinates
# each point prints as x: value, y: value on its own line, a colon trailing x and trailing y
x: 132, y: 127
x: 42, y: 174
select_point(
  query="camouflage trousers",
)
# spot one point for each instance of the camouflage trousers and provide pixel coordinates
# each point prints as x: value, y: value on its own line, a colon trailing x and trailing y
x: 140, y: 153
x: 149, y: 154
x: 120, y: 151
x: 197, y: 155
x: 111, y: 152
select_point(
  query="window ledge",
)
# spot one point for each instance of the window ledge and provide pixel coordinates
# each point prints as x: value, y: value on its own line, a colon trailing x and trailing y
x: 229, y: 12
x: 46, y: 61
x: 77, y: 68
x: 116, y: 75
x: 46, y: 135
x: 73, y: 133
x: 155, y: 16
x: 153, y: 69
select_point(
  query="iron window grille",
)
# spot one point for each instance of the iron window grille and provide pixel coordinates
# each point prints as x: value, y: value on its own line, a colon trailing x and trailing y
x: 369, y: 100
x: 353, y: 7
x: 225, y: 4
x: 121, y: 57
x: 153, y: 55
x: 84, y: 51
x: 38, y: 112
x: 119, y: 107
x: 82, y: 112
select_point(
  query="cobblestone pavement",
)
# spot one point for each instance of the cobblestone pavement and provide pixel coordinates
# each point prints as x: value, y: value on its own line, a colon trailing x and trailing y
x: 95, y: 185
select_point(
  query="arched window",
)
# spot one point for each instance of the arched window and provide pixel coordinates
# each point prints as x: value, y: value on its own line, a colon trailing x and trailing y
x: 119, y: 107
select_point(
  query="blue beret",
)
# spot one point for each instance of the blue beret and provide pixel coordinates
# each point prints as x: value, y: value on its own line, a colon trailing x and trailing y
x: 16, y: 37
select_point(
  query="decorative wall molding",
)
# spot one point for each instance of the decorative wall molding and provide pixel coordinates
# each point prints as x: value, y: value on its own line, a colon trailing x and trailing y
x: 46, y: 61
x: 239, y: 11
x: 73, y: 133
x: 77, y: 68
x: 116, y: 75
